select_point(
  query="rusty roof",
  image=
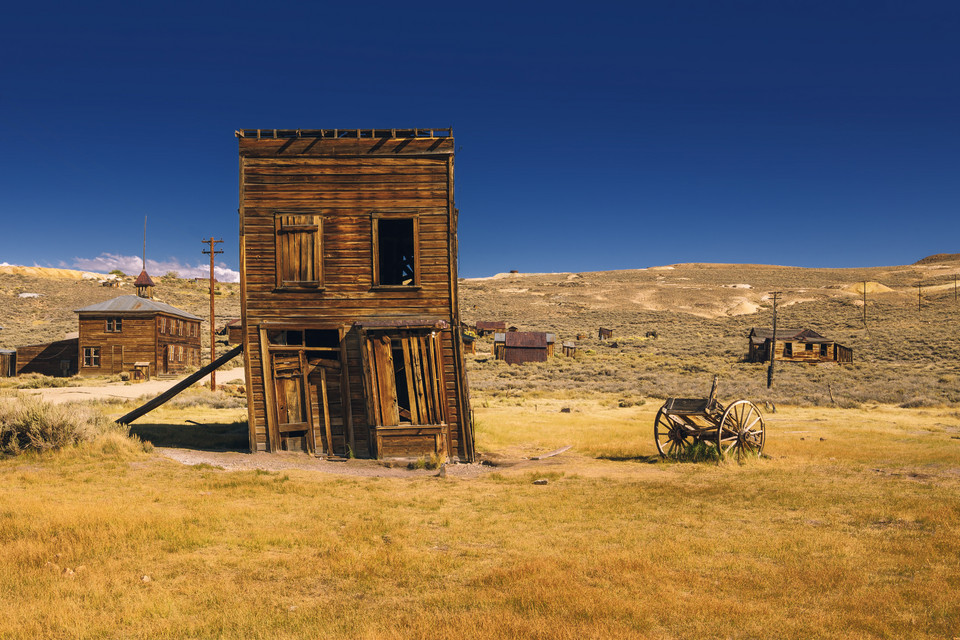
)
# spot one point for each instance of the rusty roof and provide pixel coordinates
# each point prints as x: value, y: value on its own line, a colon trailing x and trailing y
x: 761, y: 334
x: 491, y: 325
x: 526, y: 339
x: 143, y: 280
x: 135, y: 305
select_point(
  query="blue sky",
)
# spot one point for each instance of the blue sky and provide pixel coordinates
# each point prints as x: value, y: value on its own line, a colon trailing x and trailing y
x: 590, y: 136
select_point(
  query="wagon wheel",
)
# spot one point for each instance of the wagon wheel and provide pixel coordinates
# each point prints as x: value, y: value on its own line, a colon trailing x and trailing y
x: 741, y: 431
x: 672, y: 437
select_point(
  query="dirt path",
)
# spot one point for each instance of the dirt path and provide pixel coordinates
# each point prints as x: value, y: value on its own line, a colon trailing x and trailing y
x: 236, y: 461
x: 122, y: 389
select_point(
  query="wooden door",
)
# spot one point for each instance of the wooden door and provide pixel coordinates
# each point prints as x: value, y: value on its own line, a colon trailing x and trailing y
x: 327, y: 405
x: 294, y: 422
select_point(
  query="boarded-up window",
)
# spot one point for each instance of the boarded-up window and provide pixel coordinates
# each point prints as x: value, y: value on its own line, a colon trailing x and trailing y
x: 396, y: 249
x: 405, y: 376
x: 299, y: 251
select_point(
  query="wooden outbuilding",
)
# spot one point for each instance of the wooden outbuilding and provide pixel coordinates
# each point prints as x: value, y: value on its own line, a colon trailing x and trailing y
x: 8, y: 363
x: 348, y: 278
x: 58, y: 358
x: 795, y: 345
x: 485, y: 327
x: 516, y: 347
x: 604, y: 333
x: 233, y: 330
x: 469, y: 342
x: 117, y: 334
x: 570, y: 349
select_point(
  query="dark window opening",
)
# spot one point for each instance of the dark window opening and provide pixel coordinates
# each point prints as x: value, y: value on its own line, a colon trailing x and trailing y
x: 396, y: 247
x: 823, y: 350
x: 324, y: 338
x: 787, y: 349
x: 114, y: 325
x: 808, y: 347
x: 308, y: 338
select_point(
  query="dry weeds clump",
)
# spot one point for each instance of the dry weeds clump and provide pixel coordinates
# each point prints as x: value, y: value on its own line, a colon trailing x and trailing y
x: 38, y: 381
x: 28, y: 423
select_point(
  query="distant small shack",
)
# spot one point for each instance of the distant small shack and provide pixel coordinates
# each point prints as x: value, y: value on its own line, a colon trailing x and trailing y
x: 795, y: 345
x: 233, y: 330
x: 516, y: 347
x: 604, y: 333
x: 484, y: 328
x: 570, y: 349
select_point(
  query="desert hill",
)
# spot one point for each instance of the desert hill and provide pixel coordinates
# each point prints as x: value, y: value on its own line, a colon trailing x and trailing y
x: 49, y: 316
x: 701, y: 314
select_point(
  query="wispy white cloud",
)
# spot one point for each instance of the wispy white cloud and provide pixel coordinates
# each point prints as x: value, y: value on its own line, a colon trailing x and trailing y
x: 131, y: 265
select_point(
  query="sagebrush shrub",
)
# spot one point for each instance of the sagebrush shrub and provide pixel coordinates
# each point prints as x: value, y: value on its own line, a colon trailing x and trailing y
x: 31, y: 423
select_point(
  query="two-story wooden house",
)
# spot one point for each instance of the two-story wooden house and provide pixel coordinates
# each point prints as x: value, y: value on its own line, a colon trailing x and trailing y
x: 131, y: 333
x: 351, y: 326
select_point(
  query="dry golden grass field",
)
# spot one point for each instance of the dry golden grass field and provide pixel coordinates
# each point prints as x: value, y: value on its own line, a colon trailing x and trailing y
x: 848, y: 527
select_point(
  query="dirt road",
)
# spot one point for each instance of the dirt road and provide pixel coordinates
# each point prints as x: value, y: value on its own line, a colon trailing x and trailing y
x: 122, y: 389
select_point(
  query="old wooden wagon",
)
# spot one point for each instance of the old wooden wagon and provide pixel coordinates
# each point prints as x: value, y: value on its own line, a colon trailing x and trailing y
x: 736, y: 430
x: 349, y: 302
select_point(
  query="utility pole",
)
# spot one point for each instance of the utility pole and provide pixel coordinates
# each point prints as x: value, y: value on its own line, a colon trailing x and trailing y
x: 954, y: 287
x: 773, y: 340
x: 919, y: 286
x: 213, y: 327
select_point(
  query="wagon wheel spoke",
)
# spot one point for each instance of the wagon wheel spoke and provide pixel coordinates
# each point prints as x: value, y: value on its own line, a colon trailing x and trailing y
x: 741, y: 431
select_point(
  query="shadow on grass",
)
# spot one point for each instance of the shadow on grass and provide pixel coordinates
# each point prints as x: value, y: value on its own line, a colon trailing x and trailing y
x: 640, y: 459
x: 203, y: 437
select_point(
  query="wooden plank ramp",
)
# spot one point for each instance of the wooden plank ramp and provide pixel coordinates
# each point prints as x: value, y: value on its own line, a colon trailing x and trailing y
x: 180, y: 386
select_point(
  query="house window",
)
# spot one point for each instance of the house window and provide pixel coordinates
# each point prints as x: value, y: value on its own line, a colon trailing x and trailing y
x: 163, y: 324
x: 396, y: 249
x: 808, y: 347
x: 405, y: 373
x: 824, y: 349
x: 91, y: 356
x: 114, y: 325
x: 179, y: 354
x: 299, y: 251
x: 179, y: 327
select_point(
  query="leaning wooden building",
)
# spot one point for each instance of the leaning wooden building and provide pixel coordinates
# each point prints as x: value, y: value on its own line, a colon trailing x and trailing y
x: 350, y: 319
x: 795, y: 345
